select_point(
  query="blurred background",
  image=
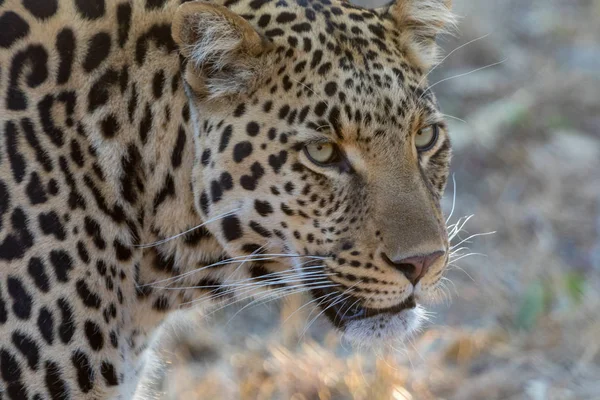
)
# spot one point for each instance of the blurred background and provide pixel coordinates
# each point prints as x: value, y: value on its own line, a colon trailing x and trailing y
x: 522, y: 320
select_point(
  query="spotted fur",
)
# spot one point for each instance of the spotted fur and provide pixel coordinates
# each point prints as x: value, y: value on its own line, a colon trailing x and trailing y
x: 125, y: 123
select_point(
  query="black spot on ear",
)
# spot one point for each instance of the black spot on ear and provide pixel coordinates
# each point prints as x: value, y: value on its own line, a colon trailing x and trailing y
x: 232, y: 229
x: 18, y: 29
x: 90, y: 9
x: 241, y: 151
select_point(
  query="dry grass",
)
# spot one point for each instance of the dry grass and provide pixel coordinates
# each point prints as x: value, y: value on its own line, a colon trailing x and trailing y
x: 523, y: 322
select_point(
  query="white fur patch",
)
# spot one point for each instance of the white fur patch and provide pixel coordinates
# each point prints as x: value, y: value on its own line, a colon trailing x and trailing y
x: 383, y: 329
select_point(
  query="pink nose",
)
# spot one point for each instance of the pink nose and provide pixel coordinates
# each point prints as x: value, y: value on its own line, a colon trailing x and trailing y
x: 414, y: 268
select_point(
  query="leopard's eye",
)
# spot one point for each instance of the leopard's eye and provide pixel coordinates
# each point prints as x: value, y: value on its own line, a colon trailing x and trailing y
x: 321, y: 153
x: 426, y: 137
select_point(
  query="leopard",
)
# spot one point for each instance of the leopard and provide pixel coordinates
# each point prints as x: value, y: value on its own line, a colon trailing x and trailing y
x: 164, y: 154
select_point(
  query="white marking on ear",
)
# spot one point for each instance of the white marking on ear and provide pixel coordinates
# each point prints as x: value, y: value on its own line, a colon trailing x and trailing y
x: 424, y: 20
x: 224, y: 52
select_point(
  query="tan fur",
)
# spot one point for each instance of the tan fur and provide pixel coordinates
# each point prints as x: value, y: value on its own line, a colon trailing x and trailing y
x: 152, y: 157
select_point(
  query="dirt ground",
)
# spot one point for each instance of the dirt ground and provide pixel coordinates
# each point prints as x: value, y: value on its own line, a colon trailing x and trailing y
x: 521, y: 320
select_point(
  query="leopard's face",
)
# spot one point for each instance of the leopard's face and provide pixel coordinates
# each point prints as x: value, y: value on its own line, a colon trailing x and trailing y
x: 334, y: 155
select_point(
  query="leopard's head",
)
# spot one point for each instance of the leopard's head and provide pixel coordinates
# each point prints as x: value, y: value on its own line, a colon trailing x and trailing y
x: 317, y: 138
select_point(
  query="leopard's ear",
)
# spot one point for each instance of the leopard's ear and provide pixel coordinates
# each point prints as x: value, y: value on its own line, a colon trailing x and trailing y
x: 422, y: 21
x: 225, y: 55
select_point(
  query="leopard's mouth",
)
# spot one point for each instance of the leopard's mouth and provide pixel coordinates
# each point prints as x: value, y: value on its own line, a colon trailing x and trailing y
x: 341, y: 311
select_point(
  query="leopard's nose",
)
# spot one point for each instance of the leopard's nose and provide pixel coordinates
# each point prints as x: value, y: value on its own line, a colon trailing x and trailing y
x: 414, y: 268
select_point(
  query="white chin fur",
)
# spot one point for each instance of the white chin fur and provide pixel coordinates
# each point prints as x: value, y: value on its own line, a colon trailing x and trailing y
x: 384, y: 328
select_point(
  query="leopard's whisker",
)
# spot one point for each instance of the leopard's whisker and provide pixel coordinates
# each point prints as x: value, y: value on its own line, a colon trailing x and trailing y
x: 453, y: 198
x: 455, y: 118
x: 450, y: 54
x: 311, y: 90
x: 233, y: 260
x: 305, y: 305
x: 314, y: 285
x: 239, y: 291
x: 466, y: 240
x: 289, y: 278
x: 290, y: 290
x: 337, y: 300
x: 342, y: 297
x: 454, y: 266
x: 467, y: 255
x: 242, y: 290
x: 461, y: 75
x: 162, y: 241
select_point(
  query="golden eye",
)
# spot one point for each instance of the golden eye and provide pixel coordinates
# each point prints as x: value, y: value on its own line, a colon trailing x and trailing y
x: 321, y: 153
x: 425, y: 139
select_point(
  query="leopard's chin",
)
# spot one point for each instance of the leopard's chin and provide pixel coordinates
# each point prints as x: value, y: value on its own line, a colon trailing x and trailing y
x: 384, y: 328
x: 366, y: 327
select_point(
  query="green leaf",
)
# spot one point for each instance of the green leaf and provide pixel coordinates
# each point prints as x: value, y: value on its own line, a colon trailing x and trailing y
x: 532, y: 306
x: 575, y: 283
